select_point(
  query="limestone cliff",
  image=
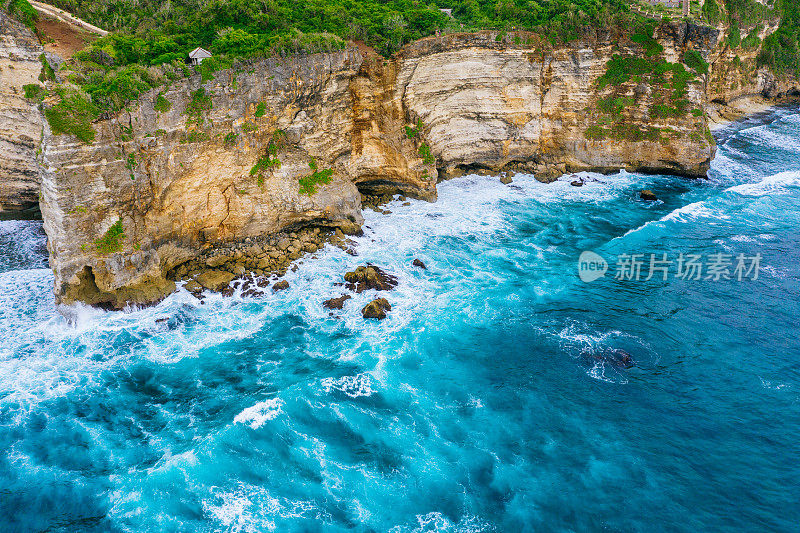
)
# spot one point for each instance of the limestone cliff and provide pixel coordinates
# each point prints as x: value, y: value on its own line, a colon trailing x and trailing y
x: 20, y: 118
x: 275, y: 145
x: 200, y: 165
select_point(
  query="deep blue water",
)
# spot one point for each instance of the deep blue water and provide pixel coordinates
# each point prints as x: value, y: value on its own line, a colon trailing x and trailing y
x: 486, y: 401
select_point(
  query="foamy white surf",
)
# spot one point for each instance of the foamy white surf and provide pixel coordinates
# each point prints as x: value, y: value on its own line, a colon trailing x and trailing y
x: 260, y: 413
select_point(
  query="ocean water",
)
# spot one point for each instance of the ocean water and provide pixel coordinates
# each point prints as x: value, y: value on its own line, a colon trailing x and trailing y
x: 488, y: 400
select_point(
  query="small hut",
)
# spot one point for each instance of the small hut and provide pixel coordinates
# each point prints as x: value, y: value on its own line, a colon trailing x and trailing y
x: 197, y: 56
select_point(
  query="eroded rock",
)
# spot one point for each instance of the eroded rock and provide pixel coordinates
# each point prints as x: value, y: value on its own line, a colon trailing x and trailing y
x: 336, y: 303
x: 648, y: 196
x: 376, y: 309
x: 215, y: 280
x: 369, y: 277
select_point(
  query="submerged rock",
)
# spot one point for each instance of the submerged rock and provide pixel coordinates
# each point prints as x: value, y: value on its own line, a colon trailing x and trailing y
x: 620, y: 358
x: 376, y: 309
x: 420, y: 264
x: 336, y: 303
x: 281, y: 285
x: 648, y: 195
x: 577, y: 183
x: 369, y: 277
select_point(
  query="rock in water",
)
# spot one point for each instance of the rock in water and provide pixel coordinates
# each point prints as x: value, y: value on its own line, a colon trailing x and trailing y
x: 193, y: 287
x: 369, y: 277
x: 420, y: 264
x: 376, y: 309
x: 577, y: 183
x: 648, y: 195
x: 620, y: 358
x: 505, y: 180
x: 336, y: 303
x: 281, y: 285
x: 215, y: 280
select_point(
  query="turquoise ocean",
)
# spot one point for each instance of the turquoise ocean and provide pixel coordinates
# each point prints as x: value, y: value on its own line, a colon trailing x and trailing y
x: 490, y: 399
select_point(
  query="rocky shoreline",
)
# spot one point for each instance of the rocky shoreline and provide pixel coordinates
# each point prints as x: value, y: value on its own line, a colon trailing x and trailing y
x: 255, y: 266
x: 233, y: 175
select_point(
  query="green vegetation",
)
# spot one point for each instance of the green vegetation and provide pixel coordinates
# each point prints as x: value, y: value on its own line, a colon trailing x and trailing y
x: 47, y: 74
x: 614, y: 106
x: 150, y: 38
x: 666, y: 111
x: 231, y: 138
x: 425, y: 153
x: 752, y: 41
x: 151, y: 32
x: 695, y: 61
x: 34, y: 91
x: 624, y: 68
x: 669, y: 87
x: 308, y: 184
x: 24, y: 12
x: 265, y: 162
x: 247, y: 127
x: 261, y: 110
x: 162, y: 105
x: 130, y: 164
x: 595, y: 132
x: 111, y: 241
x: 644, y: 36
x: 269, y: 160
x: 197, y: 107
x: 781, y: 50
x: 73, y: 114
x: 415, y: 131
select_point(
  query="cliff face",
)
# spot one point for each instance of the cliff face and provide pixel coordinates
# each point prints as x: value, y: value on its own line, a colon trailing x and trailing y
x: 491, y: 104
x: 736, y: 85
x: 20, y: 118
x: 190, y: 170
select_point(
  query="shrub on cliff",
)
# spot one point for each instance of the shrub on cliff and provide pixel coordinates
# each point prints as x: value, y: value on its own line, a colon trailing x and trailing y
x: 308, y: 184
x: 73, y: 114
x: 34, y: 91
x: 23, y: 11
x: 111, y: 241
x: 162, y: 105
x: 781, y: 50
x: 198, y: 104
x: 695, y: 61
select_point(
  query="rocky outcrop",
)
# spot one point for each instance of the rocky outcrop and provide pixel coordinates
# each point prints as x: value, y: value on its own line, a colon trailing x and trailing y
x: 222, y: 164
x: 278, y: 146
x: 376, y: 309
x: 20, y: 119
x: 736, y: 84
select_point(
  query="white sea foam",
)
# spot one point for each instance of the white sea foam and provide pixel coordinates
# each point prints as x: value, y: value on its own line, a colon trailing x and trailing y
x: 260, y: 413
x: 767, y: 136
x: 24, y: 244
x: 778, y: 183
x: 353, y: 386
x: 248, y: 508
x: 436, y: 522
